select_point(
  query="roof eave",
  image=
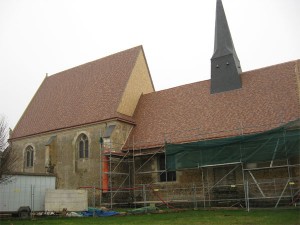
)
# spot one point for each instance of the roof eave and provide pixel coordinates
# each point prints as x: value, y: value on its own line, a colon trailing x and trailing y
x: 72, y: 127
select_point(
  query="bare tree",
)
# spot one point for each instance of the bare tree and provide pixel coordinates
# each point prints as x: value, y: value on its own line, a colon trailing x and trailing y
x: 7, y: 156
x: 3, y: 134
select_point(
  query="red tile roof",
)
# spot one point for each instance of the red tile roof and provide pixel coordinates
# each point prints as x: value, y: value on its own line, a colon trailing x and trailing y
x: 84, y: 94
x: 268, y: 97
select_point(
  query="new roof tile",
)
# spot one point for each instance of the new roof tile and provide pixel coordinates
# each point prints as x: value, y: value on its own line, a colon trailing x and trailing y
x: 84, y: 94
x: 268, y: 97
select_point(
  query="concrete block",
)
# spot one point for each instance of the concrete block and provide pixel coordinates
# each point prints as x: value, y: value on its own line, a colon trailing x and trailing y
x: 72, y: 200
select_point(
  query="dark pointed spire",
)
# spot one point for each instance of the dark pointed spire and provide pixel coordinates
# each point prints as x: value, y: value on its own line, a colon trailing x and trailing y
x: 225, y: 65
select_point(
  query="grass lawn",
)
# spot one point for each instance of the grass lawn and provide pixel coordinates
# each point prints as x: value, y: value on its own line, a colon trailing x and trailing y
x: 207, y: 217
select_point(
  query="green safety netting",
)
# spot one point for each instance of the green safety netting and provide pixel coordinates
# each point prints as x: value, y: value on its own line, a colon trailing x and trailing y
x: 280, y: 143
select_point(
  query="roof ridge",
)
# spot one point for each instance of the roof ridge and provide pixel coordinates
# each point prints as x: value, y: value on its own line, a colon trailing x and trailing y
x: 248, y: 71
x: 270, y: 66
x: 170, y: 88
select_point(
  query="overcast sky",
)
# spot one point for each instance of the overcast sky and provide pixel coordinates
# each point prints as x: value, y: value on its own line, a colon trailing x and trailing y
x: 49, y: 36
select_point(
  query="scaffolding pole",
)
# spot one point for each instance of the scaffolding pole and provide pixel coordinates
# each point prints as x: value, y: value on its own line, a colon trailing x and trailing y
x: 203, y: 187
x: 282, y: 193
x: 245, y: 187
x: 100, y: 180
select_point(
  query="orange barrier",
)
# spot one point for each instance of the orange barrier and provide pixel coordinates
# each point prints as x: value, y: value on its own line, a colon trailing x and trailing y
x: 105, y: 169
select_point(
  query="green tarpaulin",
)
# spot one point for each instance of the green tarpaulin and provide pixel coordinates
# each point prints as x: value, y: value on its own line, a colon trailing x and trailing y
x: 279, y: 143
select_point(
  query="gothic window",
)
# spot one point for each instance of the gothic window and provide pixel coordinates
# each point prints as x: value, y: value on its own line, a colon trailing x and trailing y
x: 29, y: 153
x: 83, y: 146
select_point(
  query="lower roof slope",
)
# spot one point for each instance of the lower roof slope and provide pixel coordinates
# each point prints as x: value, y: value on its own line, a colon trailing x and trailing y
x: 84, y: 94
x: 268, y: 97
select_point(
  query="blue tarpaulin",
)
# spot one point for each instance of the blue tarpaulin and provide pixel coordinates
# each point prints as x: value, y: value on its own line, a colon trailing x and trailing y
x: 98, y: 212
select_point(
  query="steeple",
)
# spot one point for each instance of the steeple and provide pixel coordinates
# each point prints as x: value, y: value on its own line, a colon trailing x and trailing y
x: 225, y: 65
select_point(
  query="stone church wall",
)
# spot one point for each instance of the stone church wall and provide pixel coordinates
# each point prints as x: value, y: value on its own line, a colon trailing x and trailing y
x: 61, y: 150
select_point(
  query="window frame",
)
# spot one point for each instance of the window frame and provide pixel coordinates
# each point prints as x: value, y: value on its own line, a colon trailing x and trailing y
x: 29, y: 156
x: 83, y: 146
x: 165, y: 176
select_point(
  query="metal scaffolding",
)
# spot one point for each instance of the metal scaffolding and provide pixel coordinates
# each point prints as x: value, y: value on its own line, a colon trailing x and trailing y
x: 134, y: 181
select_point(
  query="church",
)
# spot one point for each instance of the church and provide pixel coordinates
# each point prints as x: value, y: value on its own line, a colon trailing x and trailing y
x: 233, y: 139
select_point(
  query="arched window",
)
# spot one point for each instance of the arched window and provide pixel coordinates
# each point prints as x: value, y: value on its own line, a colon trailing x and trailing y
x: 29, y: 153
x: 83, y: 146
